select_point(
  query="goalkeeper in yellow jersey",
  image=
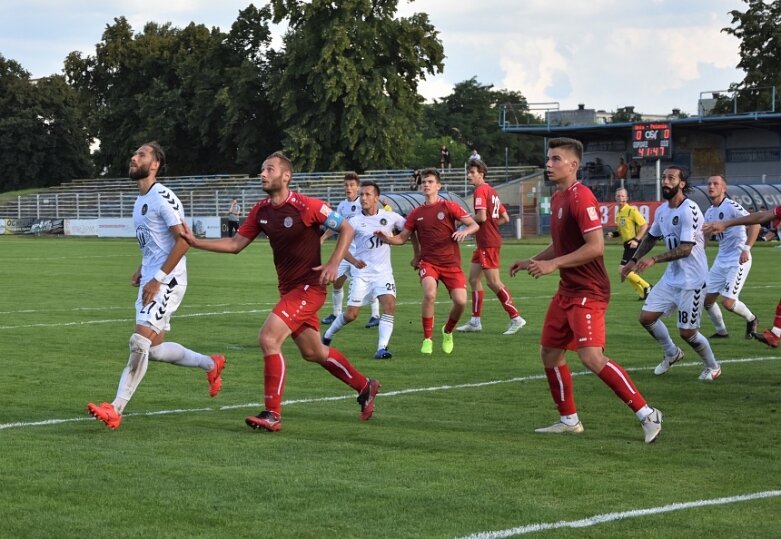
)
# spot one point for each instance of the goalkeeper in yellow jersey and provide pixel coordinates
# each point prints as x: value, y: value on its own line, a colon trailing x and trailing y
x: 632, y: 226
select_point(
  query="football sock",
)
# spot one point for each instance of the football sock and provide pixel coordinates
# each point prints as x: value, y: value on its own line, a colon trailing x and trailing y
x: 702, y: 347
x: 560, y: 384
x: 570, y: 420
x: 740, y: 309
x: 714, y: 313
x: 274, y: 371
x: 659, y: 332
x: 507, y: 302
x: 385, y: 330
x: 376, y: 308
x: 643, y: 412
x: 335, y: 326
x: 172, y: 352
x: 428, y: 327
x: 619, y: 381
x: 340, y: 367
x: 336, y: 297
x: 134, y: 371
x: 477, y: 303
x: 450, y: 324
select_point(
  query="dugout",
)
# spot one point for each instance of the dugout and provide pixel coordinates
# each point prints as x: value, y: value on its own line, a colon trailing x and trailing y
x: 753, y: 197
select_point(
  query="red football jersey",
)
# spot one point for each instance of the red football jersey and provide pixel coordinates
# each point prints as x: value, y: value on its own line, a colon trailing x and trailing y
x: 293, y: 229
x: 435, y: 224
x: 574, y: 213
x: 487, y: 199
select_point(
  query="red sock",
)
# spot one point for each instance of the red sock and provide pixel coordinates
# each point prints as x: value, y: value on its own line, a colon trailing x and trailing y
x: 477, y: 303
x: 450, y: 325
x: 560, y: 383
x: 507, y: 302
x: 619, y: 381
x: 274, y: 371
x: 428, y: 327
x: 340, y: 366
x: 777, y: 319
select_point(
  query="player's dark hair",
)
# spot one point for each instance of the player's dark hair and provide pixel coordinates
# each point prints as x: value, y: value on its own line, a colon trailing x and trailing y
x: 683, y: 174
x: 431, y: 172
x: 571, y: 144
x: 479, y: 165
x: 158, y: 153
x: 352, y: 177
x: 282, y: 157
x: 370, y: 183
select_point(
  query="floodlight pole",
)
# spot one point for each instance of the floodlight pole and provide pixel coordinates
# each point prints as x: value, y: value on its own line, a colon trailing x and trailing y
x: 658, y: 180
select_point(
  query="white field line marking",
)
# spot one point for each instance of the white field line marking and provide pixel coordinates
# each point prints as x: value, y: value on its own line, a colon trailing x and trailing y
x: 178, y: 315
x: 611, y: 517
x: 23, y: 424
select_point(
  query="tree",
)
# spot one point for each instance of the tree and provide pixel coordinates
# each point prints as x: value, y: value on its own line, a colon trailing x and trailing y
x: 41, y: 130
x: 201, y: 93
x: 470, y: 116
x: 759, y: 31
x: 348, y: 92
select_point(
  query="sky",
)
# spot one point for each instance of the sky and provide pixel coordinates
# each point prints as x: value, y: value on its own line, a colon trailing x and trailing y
x: 655, y: 55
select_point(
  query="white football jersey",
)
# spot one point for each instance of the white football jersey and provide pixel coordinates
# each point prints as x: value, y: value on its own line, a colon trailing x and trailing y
x: 682, y: 225
x: 349, y: 208
x: 153, y: 214
x: 733, y: 238
x: 370, y: 248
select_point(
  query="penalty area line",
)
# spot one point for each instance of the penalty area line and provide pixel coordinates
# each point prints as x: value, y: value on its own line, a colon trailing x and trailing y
x: 384, y: 394
x: 612, y: 517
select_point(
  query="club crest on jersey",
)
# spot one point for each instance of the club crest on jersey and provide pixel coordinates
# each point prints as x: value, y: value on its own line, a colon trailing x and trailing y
x: 592, y: 213
x: 721, y: 215
x: 352, y: 208
x: 288, y: 222
x: 383, y: 221
x: 144, y: 209
x: 441, y: 215
x: 675, y: 220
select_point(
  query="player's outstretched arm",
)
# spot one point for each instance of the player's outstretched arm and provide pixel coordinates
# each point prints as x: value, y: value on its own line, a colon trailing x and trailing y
x: 222, y: 245
x: 757, y: 218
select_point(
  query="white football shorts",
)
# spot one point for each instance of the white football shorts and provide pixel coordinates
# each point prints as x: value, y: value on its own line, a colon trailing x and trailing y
x: 664, y: 298
x: 157, y: 314
x: 728, y: 280
x: 363, y: 290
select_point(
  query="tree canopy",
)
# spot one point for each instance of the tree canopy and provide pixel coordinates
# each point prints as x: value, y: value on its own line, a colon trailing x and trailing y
x: 348, y: 91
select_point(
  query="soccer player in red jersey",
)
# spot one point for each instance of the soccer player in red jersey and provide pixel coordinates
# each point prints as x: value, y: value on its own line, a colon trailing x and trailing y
x: 437, y: 255
x: 291, y: 222
x: 489, y: 213
x: 576, y: 316
x: 770, y: 336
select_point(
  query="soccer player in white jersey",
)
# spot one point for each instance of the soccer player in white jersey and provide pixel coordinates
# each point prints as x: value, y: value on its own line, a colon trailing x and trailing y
x: 682, y: 286
x: 730, y: 270
x: 158, y: 216
x: 347, y: 208
x: 372, y: 273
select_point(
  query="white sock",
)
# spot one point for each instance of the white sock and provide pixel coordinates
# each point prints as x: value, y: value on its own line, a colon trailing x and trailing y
x: 714, y: 313
x: 385, y: 330
x: 134, y: 371
x: 776, y: 331
x: 376, y: 308
x: 740, y: 309
x: 337, y: 296
x: 643, y: 412
x: 659, y: 332
x: 702, y: 347
x: 336, y: 325
x: 171, y: 352
x: 474, y: 321
x: 570, y: 420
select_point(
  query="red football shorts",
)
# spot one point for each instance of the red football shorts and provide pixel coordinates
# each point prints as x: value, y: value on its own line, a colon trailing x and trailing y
x: 487, y: 257
x: 451, y: 277
x: 574, y: 322
x: 298, y: 308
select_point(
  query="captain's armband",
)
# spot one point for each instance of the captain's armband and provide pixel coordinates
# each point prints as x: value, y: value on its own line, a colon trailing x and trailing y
x: 334, y: 221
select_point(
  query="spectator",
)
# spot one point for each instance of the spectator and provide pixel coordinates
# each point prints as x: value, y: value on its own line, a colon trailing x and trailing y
x: 621, y: 170
x: 475, y: 156
x: 444, y: 158
x: 234, y: 213
x: 634, y: 169
x: 414, y: 183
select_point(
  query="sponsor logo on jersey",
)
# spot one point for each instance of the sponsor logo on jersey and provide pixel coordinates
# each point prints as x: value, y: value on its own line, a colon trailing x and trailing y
x: 263, y: 222
x: 325, y: 210
x: 592, y: 213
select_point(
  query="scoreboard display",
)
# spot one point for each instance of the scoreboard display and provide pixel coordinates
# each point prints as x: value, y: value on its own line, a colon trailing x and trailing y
x: 652, y: 139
